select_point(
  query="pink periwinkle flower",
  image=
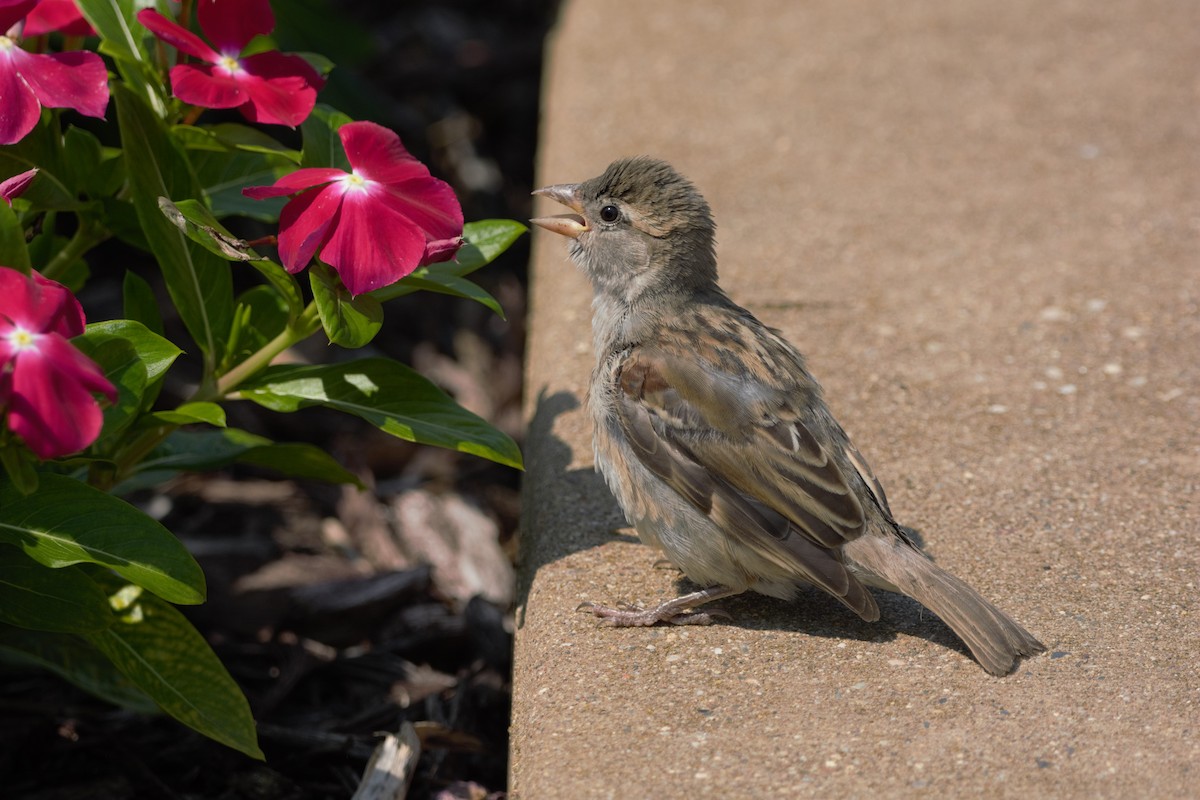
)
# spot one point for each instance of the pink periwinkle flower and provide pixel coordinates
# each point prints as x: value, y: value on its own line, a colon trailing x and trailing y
x: 28, y: 81
x: 63, y: 16
x: 269, y: 87
x: 12, y: 187
x: 374, y: 224
x: 46, y: 384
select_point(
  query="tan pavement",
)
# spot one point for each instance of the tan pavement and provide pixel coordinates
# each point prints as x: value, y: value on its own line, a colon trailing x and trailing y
x: 981, y: 222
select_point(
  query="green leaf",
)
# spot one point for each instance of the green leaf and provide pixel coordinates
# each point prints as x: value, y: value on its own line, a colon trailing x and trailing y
x: 20, y: 466
x: 133, y: 359
x: 139, y: 302
x: 432, y: 280
x: 121, y: 218
x: 98, y: 171
x: 485, y: 240
x: 198, y: 224
x: 284, y: 284
x: 116, y: 22
x: 14, y: 252
x: 299, y: 460
x: 192, y: 413
x: 124, y: 39
x: 49, y: 191
x: 81, y: 154
x: 34, y: 596
x: 322, y: 147
x: 224, y: 175
x: 348, y: 321
x: 76, y: 661
x: 156, y: 353
x: 391, y: 397
x: 66, y: 522
x: 159, y: 650
x: 261, y: 316
x: 201, y: 451
x: 200, y: 283
x: 47, y: 246
x: 229, y: 136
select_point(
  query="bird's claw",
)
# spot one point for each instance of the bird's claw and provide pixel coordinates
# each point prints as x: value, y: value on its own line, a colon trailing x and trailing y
x: 627, y: 615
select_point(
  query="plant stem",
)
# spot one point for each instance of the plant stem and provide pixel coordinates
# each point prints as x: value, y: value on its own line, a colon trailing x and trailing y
x: 87, y: 236
x: 305, y: 325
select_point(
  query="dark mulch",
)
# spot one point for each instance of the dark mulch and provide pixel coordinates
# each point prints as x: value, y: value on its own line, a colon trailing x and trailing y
x: 344, y: 614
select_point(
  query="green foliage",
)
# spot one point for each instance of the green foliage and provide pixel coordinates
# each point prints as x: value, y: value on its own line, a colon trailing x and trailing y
x: 199, y: 282
x: 87, y: 581
x: 162, y: 654
x: 348, y: 321
x: 388, y: 395
x: 13, y: 250
x: 67, y: 522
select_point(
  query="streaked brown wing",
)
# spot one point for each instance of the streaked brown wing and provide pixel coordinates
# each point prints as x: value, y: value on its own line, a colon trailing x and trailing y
x: 755, y: 437
x: 699, y: 441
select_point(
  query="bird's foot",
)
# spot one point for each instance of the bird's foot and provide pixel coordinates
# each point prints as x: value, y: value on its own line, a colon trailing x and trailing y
x: 680, y: 611
x: 625, y: 615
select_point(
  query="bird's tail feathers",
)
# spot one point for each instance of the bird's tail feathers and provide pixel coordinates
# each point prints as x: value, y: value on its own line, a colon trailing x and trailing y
x: 994, y: 638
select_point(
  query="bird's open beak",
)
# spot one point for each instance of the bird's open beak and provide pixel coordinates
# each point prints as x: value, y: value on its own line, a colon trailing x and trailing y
x: 566, y: 224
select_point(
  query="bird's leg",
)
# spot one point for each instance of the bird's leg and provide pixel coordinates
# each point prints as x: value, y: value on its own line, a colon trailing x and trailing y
x: 665, y: 563
x: 677, y: 612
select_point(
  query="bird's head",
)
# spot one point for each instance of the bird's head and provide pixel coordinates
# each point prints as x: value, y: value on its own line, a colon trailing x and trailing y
x: 638, y: 230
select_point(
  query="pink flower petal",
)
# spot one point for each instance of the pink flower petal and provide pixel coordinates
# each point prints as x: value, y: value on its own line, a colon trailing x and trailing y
x: 207, y: 86
x: 377, y: 154
x: 231, y: 24
x: 431, y: 205
x: 18, y: 298
x: 305, y: 223
x: 19, y: 109
x: 282, y: 88
x: 372, y: 231
x: 441, y: 250
x: 371, y: 246
x: 50, y: 403
x: 38, y: 304
x: 13, y: 11
x: 57, y: 15
x: 46, y: 385
x: 177, y: 36
x: 274, y: 64
x: 77, y: 79
x: 14, y: 186
x: 295, y: 182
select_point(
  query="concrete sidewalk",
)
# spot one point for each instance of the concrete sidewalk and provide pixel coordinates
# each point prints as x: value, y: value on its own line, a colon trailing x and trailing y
x: 981, y: 222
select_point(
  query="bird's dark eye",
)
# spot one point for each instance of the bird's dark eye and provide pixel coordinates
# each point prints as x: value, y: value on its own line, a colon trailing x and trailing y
x: 610, y: 214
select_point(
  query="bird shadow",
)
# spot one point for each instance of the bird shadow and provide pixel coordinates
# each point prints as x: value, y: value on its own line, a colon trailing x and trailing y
x: 567, y: 511
x: 816, y: 613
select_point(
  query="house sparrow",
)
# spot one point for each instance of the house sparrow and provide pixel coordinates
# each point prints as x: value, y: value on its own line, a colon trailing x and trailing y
x: 716, y: 440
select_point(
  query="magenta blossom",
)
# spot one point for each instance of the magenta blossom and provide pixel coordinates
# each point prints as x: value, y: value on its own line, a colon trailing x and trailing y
x: 12, y: 187
x: 46, y: 385
x: 28, y: 81
x: 375, y: 224
x: 266, y: 87
x: 57, y: 15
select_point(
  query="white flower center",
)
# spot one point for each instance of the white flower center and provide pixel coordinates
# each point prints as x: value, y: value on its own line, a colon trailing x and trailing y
x: 230, y: 64
x: 6, y: 43
x: 355, y: 182
x: 21, y: 339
